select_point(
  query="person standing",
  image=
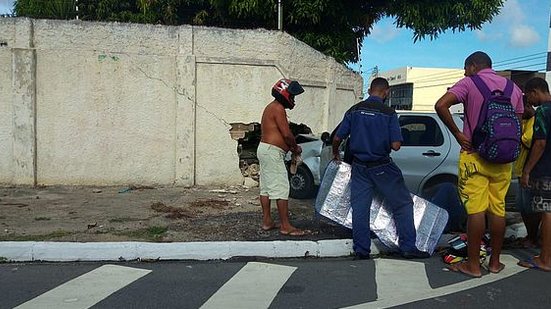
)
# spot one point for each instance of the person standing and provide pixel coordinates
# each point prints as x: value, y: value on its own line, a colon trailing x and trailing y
x: 482, y: 184
x: 277, y: 139
x: 523, y: 201
x: 374, y: 131
x: 536, y: 174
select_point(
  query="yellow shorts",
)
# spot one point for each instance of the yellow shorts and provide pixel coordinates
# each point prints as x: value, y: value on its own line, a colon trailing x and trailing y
x: 274, y: 181
x: 483, y: 185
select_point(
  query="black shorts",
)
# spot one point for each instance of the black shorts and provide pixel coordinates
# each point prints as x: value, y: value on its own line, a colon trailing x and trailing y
x: 541, y: 194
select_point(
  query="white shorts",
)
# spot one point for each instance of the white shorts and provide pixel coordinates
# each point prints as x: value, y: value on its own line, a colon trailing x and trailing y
x: 274, y: 181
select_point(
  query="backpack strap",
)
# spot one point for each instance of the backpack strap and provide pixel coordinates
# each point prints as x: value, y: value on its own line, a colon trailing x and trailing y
x: 486, y: 94
x: 508, y: 91
x: 482, y: 87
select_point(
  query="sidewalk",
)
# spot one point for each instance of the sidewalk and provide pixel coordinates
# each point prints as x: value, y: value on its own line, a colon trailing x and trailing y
x: 127, y: 223
x: 110, y: 223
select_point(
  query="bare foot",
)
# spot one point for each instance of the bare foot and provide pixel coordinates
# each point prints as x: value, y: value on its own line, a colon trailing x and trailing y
x: 463, y: 268
x: 295, y: 232
x: 496, y: 270
x: 528, y: 244
x: 269, y: 227
x: 534, y: 263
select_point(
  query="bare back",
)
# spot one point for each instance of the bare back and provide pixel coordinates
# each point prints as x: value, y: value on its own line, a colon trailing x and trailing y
x: 275, y: 127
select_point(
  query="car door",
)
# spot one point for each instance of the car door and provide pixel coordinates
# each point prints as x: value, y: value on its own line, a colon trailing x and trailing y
x: 424, y: 148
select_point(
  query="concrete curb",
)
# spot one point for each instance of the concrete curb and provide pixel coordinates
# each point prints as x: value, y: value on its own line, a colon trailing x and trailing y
x: 216, y: 250
x: 28, y: 251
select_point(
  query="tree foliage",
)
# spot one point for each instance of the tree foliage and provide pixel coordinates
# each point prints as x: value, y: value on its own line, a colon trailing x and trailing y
x: 332, y: 27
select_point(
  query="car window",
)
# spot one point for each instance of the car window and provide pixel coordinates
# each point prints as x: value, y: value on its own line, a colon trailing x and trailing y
x: 420, y: 131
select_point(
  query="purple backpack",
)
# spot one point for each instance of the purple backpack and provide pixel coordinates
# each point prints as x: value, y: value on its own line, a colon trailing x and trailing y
x: 497, y: 134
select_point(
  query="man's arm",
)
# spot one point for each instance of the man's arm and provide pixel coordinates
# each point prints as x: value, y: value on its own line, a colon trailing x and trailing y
x: 442, y: 108
x: 336, y: 144
x: 535, y: 154
x: 283, y: 127
x: 396, y: 145
x: 395, y: 133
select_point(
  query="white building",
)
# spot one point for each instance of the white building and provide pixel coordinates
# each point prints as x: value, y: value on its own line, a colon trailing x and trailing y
x: 418, y: 89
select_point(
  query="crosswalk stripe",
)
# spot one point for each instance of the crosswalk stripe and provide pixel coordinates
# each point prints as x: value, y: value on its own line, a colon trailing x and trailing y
x: 393, y: 298
x: 254, y: 286
x: 88, y: 289
x: 399, y: 275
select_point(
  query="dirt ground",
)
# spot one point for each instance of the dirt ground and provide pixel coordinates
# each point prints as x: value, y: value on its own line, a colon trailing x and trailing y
x: 162, y: 214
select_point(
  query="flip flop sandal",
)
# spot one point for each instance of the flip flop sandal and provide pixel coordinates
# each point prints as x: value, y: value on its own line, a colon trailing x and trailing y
x: 531, y: 264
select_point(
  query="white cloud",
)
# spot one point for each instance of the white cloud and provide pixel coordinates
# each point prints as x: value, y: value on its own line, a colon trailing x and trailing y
x: 384, y: 33
x: 510, y: 24
x: 523, y: 36
x: 510, y: 12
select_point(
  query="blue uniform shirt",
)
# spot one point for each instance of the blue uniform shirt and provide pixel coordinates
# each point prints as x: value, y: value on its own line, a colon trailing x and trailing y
x: 372, y: 127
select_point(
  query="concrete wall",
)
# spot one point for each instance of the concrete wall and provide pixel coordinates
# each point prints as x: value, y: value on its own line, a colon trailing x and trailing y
x: 7, y: 161
x: 109, y: 103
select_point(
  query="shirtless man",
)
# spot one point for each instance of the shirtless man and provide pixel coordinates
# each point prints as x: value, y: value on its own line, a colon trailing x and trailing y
x: 277, y: 140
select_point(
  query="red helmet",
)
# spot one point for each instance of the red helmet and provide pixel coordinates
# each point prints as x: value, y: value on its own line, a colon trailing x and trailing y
x: 285, y: 90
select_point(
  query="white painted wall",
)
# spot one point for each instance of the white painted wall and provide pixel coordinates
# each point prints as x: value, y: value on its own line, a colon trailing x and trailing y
x: 7, y: 161
x: 109, y: 103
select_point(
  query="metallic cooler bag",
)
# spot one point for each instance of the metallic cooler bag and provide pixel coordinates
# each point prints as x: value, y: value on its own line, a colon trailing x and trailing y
x: 333, y: 202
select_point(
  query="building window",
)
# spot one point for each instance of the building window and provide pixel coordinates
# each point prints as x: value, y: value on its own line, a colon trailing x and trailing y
x: 401, y: 96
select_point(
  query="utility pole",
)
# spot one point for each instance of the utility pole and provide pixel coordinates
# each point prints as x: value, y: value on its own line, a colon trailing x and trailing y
x: 548, y: 68
x: 76, y: 8
x: 279, y: 15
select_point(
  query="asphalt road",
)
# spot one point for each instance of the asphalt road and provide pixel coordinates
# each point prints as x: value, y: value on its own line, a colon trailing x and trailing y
x: 263, y: 283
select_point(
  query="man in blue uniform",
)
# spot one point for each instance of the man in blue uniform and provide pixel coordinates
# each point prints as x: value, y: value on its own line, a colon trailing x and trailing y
x: 374, y: 131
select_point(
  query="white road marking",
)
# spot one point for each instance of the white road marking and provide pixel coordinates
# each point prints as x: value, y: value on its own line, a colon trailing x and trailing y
x: 394, y: 281
x: 399, y: 275
x: 88, y: 289
x: 254, y: 286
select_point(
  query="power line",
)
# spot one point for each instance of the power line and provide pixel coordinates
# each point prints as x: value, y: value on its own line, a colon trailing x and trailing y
x: 544, y: 53
x: 498, y: 64
x: 440, y: 76
x: 447, y: 84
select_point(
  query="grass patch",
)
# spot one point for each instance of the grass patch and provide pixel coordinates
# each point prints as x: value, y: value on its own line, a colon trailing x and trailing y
x: 42, y: 219
x: 3, y: 259
x: 43, y: 237
x: 153, y: 233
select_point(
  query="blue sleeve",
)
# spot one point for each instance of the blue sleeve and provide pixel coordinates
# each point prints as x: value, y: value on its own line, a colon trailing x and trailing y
x: 394, y: 129
x: 344, y: 127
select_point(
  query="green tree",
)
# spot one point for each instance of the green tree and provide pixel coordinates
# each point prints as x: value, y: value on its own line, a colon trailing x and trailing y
x: 330, y: 26
x: 63, y: 9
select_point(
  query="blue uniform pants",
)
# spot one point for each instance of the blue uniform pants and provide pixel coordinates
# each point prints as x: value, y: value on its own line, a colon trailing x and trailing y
x: 387, y: 180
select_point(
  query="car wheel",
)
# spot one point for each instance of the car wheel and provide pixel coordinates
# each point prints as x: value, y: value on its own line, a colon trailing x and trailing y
x: 302, y: 183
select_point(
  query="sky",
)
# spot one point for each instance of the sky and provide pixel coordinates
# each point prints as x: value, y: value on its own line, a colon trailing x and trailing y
x: 6, y: 6
x: 520, y: 30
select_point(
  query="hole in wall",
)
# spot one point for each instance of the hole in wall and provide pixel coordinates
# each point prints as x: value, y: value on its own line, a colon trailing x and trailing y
x: 248, y: 137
